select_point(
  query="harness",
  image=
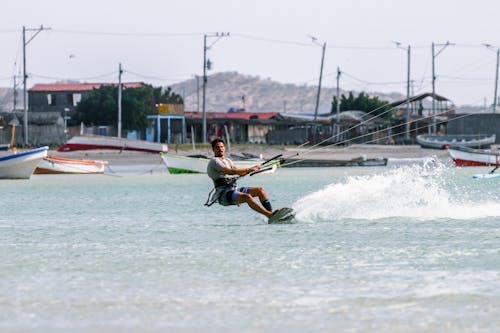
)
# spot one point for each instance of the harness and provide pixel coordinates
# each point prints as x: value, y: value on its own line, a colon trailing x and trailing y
x: 231, y: 181
x: 218, y: 183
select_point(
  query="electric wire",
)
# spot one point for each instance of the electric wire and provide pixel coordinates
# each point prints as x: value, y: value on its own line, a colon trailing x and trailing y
x: 318, y: 146
x: 369, y: 134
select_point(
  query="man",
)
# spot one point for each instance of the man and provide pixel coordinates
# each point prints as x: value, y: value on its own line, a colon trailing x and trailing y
x: 222, y: 171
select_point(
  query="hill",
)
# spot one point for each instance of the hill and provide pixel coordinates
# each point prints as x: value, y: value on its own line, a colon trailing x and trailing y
x: 225, y: 90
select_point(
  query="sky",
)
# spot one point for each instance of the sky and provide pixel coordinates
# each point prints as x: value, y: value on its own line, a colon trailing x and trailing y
x: 161, y: 42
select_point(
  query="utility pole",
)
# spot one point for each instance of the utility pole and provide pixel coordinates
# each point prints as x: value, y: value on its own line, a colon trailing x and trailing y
x: 408, y: 96
x: 407, y: 112
x: 495, y: 98
x: 319, y: 84
x: 25, y: 76
x: 15, y: 95
x: 197, y: 93
x: 120, y: 71
x: 434, y: 55
x: 431, y: 129
x: 204, y: 132
x: 206, y: 65
x: 338, y: 93
x: 338, y: 102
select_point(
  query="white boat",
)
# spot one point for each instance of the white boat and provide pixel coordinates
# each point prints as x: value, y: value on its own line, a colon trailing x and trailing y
x: 87, y: 142
x: 57, y: 165
x: 453, y: 141
x: 198, y: 164
x: 21, y: 165
x: 474, y: 157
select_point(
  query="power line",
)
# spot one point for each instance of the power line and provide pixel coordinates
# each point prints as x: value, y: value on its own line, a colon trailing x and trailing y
x: 371, y: 82
x: 153, y: 77
x: 80, y: 78
x: 127, y: 34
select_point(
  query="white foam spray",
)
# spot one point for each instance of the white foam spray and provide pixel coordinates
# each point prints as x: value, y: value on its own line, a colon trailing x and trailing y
x: 416, y: 192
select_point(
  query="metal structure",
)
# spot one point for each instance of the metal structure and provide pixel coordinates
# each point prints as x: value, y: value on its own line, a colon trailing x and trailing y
x: 25, y: 76
x: 207, y: 65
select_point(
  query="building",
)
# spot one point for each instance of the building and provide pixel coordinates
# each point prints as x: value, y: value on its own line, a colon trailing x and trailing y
x: 415, y: 116
x: 64, y: 97
x: 241, y: 127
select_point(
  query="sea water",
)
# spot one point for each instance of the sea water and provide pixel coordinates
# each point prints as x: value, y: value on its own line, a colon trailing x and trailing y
x: 411, y: 248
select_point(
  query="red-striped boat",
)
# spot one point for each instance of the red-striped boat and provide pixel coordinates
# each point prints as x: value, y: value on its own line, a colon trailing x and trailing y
x: 56, y: 165
x: 86, y: 142
x: 463, y: 156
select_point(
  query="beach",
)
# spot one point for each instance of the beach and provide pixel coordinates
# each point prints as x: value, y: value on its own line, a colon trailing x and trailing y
x: 123, y: 158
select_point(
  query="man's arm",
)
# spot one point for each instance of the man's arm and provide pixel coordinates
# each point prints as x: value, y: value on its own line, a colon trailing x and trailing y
x: 239, y: 171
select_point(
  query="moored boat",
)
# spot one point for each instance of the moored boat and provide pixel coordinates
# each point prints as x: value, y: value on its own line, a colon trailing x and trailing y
x: 61, y: 165
x: 198, y: 164
x: 21, y: 165
x: 453, y: 141
x: 87, y: 142
x: 359, y: 161
x: 463, y: 156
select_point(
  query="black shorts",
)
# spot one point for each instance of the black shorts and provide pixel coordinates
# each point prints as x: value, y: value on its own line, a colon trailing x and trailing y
x: 228, y: 197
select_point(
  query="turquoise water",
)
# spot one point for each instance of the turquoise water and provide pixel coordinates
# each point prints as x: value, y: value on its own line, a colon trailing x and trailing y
x: 403, y: 249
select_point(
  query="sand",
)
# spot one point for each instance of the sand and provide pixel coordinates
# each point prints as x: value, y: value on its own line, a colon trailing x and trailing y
x: 115, y: 157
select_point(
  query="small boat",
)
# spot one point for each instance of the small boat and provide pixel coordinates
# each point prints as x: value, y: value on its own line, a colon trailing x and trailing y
x: 58, y: 165
x: 359, y: 161
x: 453, y: 141
x: 198, y: 163
x: 21, y: 165
x: 87, y: 142
x: 463, y: 156
x: 486, y: 175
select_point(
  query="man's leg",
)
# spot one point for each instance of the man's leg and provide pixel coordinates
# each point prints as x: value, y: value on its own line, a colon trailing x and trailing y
x: 250, y: 201
x: 261, y: 193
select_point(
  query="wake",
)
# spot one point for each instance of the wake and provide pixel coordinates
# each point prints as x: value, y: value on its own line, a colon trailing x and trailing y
x: 415, y: 192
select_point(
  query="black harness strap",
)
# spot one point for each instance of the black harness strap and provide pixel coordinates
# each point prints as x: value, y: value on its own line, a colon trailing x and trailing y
x: 220, y: 182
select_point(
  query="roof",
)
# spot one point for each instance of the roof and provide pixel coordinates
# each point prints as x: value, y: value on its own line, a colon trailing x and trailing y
x: 439, y: 98
x: 79, y: 86
x: 232, y: 115
x: 325, y: 118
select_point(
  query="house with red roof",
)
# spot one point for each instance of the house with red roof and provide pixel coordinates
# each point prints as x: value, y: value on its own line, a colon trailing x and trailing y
x: 240, y: 126
x: 63, y: 97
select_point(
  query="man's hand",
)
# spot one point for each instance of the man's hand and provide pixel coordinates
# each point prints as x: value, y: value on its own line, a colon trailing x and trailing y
x: 255, y: 168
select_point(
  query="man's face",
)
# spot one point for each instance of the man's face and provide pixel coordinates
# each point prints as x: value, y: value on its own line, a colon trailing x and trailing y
x: 219, y: 149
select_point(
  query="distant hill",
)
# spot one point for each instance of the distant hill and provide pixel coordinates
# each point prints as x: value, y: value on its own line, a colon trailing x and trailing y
x: 225, y: 90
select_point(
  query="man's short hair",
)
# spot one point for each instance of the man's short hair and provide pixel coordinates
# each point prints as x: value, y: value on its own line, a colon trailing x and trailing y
x: 217, y: 140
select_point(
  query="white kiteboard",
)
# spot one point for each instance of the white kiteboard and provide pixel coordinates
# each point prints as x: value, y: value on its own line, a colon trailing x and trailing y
x: 486, y: 175
x: 282, y: 215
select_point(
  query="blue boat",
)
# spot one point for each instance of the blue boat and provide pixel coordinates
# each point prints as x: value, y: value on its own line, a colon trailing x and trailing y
x: 14, y: 165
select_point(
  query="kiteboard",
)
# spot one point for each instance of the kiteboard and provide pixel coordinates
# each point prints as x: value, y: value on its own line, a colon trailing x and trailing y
x: 486, y: 175
x: 282, y: 215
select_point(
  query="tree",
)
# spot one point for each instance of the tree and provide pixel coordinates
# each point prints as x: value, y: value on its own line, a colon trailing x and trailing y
x: 363, y: 102
x: 101, y: 105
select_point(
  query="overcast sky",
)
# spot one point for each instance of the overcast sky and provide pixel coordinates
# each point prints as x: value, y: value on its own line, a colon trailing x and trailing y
x: 161, y: 42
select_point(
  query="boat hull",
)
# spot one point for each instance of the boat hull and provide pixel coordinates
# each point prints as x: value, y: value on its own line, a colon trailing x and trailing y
x: 59, y: 165
x: 474, y: 157
x: 89, y: 142
x: 314, y: 163
x: 453, y: 141
x: 21, y: 165
x: 184, y: 164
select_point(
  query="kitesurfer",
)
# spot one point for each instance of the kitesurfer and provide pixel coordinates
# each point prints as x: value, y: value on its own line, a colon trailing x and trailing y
x: 224, y: 173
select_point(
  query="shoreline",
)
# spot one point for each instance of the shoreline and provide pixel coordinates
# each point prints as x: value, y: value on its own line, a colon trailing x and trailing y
x: 116, y: 157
